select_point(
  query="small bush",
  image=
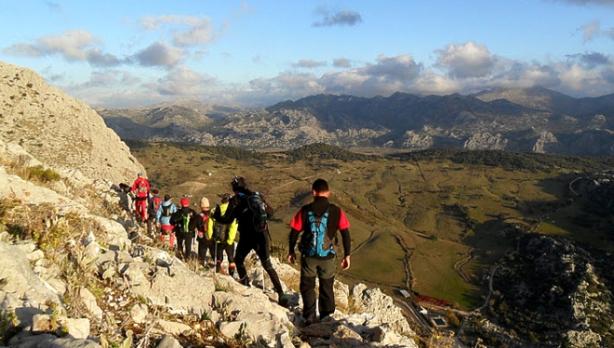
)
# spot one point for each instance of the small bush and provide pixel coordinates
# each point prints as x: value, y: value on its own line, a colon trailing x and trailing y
x: 45, y: 175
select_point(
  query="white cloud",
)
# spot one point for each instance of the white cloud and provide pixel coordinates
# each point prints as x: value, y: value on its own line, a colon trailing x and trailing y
x: 183, y: 82
x: 342, y: 63
x: 196, y: 30
x: 593, y: 30
x: 309, y: 64
x: 465, y: 60
x: 159, y: 54
x: 73, y: 45
x: 345, y: 17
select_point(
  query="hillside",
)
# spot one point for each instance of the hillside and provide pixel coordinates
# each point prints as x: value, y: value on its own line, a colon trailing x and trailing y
x: 59, y: 130
x: 434, y: 222
x: 528, y: 120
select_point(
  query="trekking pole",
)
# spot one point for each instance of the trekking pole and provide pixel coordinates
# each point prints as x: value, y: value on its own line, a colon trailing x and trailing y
x: 215, y: 256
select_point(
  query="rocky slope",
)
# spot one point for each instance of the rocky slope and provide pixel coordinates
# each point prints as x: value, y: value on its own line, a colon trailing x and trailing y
x: 508, y: 119
x: 59, y: 130
x: 548, y: 293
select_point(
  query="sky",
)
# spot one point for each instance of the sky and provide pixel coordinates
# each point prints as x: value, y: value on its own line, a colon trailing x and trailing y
x: 255, y: 53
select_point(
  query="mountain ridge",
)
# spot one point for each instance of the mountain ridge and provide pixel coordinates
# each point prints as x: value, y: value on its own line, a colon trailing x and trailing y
x: 531, y: 119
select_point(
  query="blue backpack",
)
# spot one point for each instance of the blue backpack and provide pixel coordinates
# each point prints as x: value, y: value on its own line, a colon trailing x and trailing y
x: 315, y: 240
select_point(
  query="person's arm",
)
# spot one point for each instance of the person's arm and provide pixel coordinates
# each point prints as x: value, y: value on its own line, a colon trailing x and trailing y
x: 232, y: 232
x: 159, y: 213
x: 344, y: 229
x: 228, y: 216
x: 210, y: 223
x: 296, y: 226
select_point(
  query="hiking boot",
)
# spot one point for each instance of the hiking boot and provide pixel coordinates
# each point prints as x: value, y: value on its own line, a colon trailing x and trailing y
x: 283, y: 300
x: 245, y: 281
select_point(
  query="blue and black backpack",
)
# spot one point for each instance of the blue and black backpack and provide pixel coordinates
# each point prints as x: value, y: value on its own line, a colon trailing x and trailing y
x: 319, y: 232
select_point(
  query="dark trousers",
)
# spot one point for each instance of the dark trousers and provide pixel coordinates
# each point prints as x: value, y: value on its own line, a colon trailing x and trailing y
x: 230, y: 253
x: 184, y: 244
x: 205, y: 245
x: 324, y: 269
x: 261, y: 244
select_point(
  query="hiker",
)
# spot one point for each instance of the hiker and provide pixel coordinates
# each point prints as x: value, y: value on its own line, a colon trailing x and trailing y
x: 203, y: 226
x: 153, y: 203
x: 163, y: 217
x: 251, y: 213
x: 126, y: 197
x: 140, y: 188
x: 319, y: 222
x: 183, y: 222
x: 223, y: 238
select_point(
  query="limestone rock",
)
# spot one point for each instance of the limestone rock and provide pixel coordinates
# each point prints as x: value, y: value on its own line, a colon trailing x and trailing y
x: 50, y: 341
x: 89, y: 301
x: 485, y: 141
x: 42, y: 323
x: 169, y: 342
x: 251, y: 311
x: 172, y: 327
x: 59, y: 130
x: 23, y: 292
x: 176, y: 288
x: 78, y: 328
x: 139, y: 313
x: 382, y: 307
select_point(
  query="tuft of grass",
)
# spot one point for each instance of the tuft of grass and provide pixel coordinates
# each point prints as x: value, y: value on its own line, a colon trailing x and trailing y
x: 37, y: 173
x: 8, y: 324
x: 41, y: 174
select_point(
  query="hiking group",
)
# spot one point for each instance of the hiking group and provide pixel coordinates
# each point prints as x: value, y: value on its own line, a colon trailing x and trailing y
x: 246, y: 213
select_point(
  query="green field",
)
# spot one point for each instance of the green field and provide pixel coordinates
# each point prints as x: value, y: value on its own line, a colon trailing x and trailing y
x: 446, y: 211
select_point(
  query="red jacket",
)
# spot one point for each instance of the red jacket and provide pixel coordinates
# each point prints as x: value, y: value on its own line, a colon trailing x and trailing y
x: 141, y: 187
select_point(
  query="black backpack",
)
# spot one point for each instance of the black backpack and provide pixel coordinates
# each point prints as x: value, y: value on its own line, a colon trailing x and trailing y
x: 258, y: 209
x: 220, y: 232
x: 166, y: 210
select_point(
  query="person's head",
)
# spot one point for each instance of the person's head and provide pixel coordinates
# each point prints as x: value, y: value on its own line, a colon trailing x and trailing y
x: 319, y: 188
x: 204, y: 204
x: 225, y: 198
x: 238, y: 184
x: 139, y: 175
x: 167, y: 197
x: 155, y: 192
x: 184, y: 202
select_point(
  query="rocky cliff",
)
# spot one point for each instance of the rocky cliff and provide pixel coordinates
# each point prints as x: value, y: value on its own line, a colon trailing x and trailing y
x: 60, y: 130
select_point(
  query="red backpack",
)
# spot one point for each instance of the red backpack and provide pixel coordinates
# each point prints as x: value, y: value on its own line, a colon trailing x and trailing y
x: 156, y: 202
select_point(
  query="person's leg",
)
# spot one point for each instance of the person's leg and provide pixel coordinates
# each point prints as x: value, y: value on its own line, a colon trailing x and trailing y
x: 219, y: 257
x: 264, y: 254
x: 308, y: 291
x: 326, y: 297
x: 230, y: 250
x: 180, y: 247
x: 243, y: 249
x: 212, y: 252
x: 202, y: 250
x: 188, y: 246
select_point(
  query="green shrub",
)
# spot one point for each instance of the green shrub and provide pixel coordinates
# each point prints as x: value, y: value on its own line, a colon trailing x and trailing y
x: 38, y: 173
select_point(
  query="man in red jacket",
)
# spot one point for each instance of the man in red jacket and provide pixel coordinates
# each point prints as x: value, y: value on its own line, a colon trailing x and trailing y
x: 319, y: 222
x: 140, y: 188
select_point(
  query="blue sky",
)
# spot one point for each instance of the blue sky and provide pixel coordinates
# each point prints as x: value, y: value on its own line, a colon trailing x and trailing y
x: 130, y: 53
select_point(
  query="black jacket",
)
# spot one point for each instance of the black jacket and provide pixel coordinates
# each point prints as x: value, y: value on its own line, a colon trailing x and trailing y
x: 251, y: 212
x: 177, y: 221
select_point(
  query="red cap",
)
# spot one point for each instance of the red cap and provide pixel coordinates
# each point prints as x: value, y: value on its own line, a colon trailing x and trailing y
x: 185, y: 202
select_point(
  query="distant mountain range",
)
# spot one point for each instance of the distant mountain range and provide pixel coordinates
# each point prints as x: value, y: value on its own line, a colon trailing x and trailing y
x: 530, y: 119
